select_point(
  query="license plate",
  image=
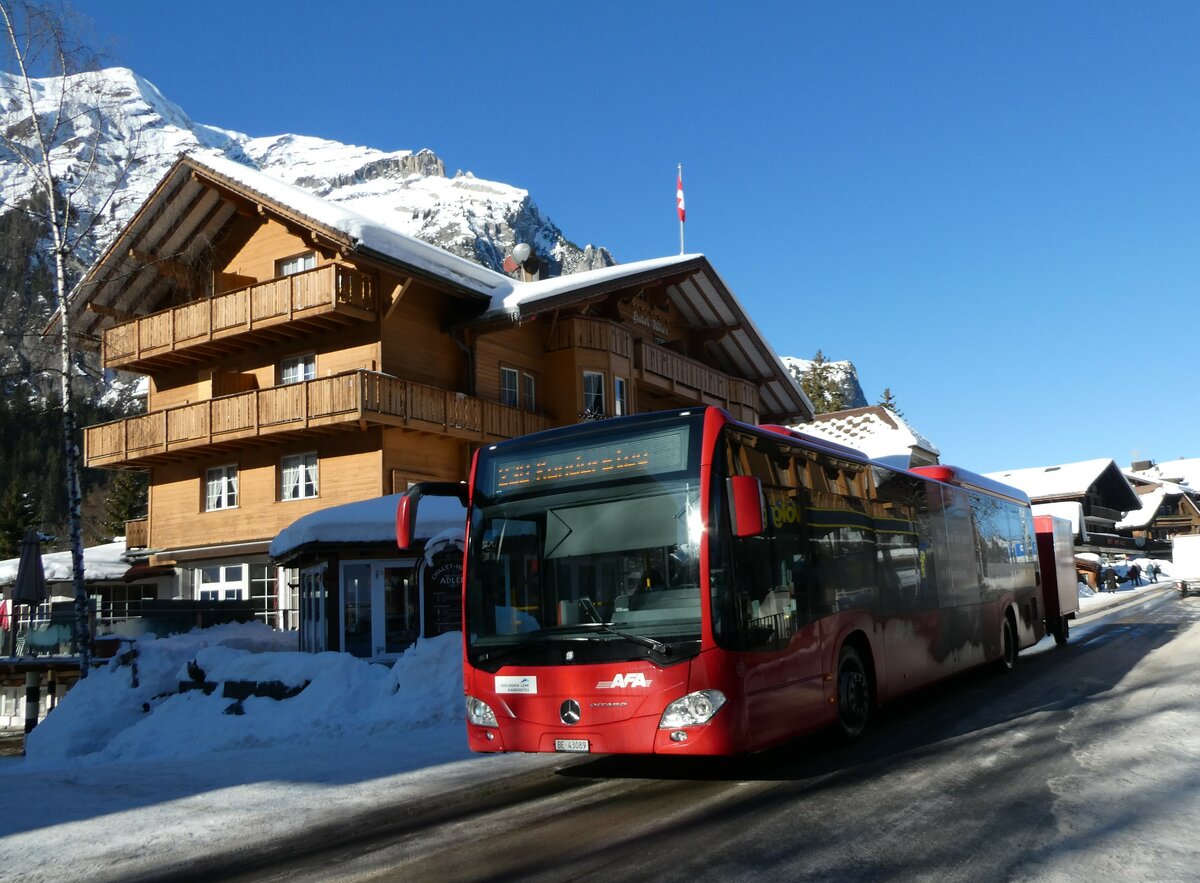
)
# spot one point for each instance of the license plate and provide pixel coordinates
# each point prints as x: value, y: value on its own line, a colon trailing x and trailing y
x: 571, y: 745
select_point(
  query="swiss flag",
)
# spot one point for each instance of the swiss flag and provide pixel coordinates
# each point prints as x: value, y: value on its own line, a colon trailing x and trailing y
x: 679, y: 198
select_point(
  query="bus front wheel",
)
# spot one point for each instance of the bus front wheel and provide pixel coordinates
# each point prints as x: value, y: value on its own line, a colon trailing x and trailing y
x: 853, y: 694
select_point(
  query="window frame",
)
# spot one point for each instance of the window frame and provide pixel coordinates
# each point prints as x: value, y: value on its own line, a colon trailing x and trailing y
x: 306, y: 362
x: 306, y: 257
x: 598, y: 392
x: 302, y: 479
x: 528, y: 391
x: 510, y: 396
x: 222, y: 588
x: 620, y: 396
x: 228, y: 481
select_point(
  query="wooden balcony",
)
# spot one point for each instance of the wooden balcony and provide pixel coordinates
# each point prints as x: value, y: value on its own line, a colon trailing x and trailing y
x: 137, y: 533
x: 349, y: 400
x: 195, y: 332
x: 660, y: 368
x: 579, y: 332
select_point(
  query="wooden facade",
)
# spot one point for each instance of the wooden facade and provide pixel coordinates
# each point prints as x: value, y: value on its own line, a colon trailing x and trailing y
x: 290, y: 371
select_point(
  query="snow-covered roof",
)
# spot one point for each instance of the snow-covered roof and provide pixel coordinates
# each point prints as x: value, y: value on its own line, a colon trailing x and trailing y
x: 703, y: 300
x: 1139, y: 518
x: 104, y: 563
x: 365, y: 232
x: 877, y: 432
x: 1185, y: 470
x: 1068, y: 509
x: 1065, y: 479
x: 367, y: 521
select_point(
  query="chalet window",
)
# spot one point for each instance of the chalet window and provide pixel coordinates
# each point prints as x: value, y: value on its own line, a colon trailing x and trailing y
x: 297, y: 264
x: 593, y: 392
x: 298, y: 477
x: 508, y: 387
x: 528, y: 392
x: 221, y: 583
x: 221, y: 488
x: 295, y: 369
x: 620, y: 396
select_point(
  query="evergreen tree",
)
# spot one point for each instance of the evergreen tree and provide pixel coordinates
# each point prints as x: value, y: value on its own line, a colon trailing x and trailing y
x: 17, y: 514
x: 887, y: 400
x: 822, y: 387
x: 126, y: 500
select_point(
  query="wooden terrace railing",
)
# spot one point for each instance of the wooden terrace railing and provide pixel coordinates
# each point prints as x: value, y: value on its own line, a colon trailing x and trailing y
x: 137, y: 533
x: 346, y: 398
x: 325, y: 289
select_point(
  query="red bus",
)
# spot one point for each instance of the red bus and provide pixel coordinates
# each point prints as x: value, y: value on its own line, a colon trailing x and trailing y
x: 681, y: 583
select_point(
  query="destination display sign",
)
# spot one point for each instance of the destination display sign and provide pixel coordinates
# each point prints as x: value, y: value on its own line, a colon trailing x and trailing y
x: 636, y: 454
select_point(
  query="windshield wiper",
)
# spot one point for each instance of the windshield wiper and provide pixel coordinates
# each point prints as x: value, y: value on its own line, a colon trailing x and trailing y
x: 606, y: 628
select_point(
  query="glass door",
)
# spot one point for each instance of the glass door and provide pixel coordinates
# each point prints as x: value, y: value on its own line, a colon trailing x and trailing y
x: 312, y: 609
x: 397, y: 623
x: 357, y: 614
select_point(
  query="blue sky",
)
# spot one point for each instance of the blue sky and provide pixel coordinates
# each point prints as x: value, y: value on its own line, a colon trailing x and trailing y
x: 990, y: 208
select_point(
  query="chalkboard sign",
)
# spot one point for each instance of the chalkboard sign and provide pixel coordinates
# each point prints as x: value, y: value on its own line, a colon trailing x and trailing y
x: 442, y: 582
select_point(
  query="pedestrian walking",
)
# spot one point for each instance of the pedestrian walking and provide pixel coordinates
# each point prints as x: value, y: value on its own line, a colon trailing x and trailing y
x: 1135, y: 575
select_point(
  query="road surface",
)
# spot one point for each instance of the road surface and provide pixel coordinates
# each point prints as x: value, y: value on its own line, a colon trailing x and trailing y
x: 1083, y: 764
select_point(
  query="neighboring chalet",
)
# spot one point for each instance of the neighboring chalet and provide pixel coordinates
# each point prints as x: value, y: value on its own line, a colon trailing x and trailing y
x: 878, y: 432
x: 1169, y: 507
x: 301, y: 355
x: 1093, y: 494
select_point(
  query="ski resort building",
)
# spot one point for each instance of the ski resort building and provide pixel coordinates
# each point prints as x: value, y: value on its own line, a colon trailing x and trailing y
x: 301, y: 355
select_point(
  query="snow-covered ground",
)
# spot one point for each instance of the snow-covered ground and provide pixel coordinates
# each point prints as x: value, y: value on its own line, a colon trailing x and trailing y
x: 123, y: 779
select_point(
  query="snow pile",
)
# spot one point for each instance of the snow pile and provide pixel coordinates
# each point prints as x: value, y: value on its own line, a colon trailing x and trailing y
x: 108, y: 718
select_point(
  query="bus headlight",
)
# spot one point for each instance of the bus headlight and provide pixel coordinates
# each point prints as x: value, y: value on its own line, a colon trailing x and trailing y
x: 692, y: 710
x: 480, y: 713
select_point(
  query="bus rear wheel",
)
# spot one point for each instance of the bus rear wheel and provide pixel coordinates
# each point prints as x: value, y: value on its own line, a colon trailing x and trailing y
x: 1008, y: 646
x: 853, y: 694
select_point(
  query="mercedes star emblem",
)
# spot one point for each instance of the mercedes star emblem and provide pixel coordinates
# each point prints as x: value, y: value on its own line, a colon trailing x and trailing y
x: 569, y: 712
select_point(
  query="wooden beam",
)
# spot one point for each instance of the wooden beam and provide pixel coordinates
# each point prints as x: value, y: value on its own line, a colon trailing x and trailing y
x: 712, y: 335
x: 397, y: 294
x: 119, y: 315
x: 167, y: 267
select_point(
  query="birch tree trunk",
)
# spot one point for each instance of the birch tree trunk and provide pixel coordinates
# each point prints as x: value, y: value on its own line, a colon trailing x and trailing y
x: 37, y: 40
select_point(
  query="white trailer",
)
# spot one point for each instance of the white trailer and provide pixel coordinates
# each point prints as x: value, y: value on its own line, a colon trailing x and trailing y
x: 1185, y: 561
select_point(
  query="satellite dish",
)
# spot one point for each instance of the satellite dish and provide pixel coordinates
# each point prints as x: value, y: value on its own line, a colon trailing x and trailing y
x: 521, y: 252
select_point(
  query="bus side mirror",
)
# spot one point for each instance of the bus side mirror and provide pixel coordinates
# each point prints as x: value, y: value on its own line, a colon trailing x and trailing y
x: 746, y: 505
x: 406, y: 509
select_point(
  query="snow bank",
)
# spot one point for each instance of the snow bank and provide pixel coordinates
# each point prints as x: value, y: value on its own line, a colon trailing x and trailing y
x: 108, y: 718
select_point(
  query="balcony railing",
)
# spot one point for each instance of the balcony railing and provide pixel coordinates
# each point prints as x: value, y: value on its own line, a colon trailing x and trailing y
x: 330, y: 289
x: 137, y: 533
x: 661, y: 367
x: 347, y: 398
x: 591, y: 334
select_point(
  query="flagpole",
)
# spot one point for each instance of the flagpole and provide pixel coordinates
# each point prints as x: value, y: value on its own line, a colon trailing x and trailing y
x: 680, y: 196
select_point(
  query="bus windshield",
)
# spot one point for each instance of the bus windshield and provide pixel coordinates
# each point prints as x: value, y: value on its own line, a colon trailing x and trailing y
x: 580, y: 564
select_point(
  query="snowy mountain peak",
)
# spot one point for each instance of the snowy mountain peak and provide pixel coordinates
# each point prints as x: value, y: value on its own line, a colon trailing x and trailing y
x: 137, y: 133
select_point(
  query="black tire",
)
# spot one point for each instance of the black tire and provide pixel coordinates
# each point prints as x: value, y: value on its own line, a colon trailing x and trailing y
x: 853, y: 694
x: 1063, y: 633
x: 1008, y: 646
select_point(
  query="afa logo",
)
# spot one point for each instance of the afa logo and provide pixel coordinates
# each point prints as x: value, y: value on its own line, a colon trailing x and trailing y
x: 633, y: 679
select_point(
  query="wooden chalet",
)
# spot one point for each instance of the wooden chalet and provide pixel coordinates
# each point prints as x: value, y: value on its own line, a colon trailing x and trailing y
x: 1168, y: 509
x: 1093, y: 494
x: 301, y: 355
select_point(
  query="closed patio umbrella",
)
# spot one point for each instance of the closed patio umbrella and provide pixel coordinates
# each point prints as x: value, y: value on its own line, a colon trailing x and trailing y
x: 30, y: 586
